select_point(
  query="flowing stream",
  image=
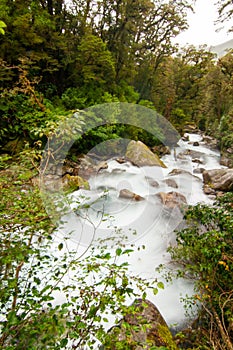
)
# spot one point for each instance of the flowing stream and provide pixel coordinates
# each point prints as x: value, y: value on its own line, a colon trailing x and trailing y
x: 153, y: 222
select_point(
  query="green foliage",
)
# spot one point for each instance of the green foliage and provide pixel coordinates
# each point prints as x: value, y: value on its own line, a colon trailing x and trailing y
x: 85, y: 96
x: 225, y: 135
x: 97, y: 65
x: 34, y: 270
x: 2, y: 26
x: 178, y: 119
x: 205, y: 251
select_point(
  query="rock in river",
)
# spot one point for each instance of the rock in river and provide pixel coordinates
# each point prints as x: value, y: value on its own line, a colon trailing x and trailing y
x: 172, y: 199
x: 140, y: 155
x: 130, y: 195
x: 171, y: 183
x: 219, y: 179
x: 141, y: 328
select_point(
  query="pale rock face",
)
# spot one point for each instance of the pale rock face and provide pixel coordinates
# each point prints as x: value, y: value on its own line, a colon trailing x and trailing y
x: 140, y: 155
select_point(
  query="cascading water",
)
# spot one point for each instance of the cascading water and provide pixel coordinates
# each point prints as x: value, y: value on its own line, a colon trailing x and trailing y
x: 153, y: 222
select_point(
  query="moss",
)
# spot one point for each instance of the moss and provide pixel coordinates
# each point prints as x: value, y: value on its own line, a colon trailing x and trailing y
x: 73, y: 183
x: 166, y: 337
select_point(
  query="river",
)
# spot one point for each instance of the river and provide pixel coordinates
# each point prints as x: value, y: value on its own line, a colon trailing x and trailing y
x: 154, y: 223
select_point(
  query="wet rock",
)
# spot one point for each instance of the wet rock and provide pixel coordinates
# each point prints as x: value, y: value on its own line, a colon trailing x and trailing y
x: 220, y: 194
x: 142, y: 328
x: 197, y: 160
x: 101, y: 166
x: 140, y: 155
x: 190, y: 128
x: 121, y: 160
x: 124, y: 193
x: 171, y: 183
x: 196, y: 143
x: 208, y: 190
x: 198, y: 170
x: 219, y: 179
x: 175, y: 172
x: 225, y: 161
x: 207, y: 139
x: 152, y: 182
x: 69, y: 167
x: 179, y: 172
x: 161, y: 150
x: 210, y: 141
x: 87, y: 167
x: 118, y: 171
x: 172, y: 199
x: 73, y: 183
x: 181, y: 155
x: 185, y: 138
x: 192, y: 153
x: 229, y: 150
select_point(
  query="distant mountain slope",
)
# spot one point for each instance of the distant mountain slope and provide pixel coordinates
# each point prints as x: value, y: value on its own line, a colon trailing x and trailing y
x: 222, y: 49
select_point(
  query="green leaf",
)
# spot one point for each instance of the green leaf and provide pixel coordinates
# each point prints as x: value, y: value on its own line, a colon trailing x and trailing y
x: 64, y: 342
x: 60, y: 246
x: 118, y: 251
x: 155, y: 291
x: 127, y: 251
x: 160, y: 285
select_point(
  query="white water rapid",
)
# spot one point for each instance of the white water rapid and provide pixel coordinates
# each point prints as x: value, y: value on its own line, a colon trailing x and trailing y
x: 153, y: 222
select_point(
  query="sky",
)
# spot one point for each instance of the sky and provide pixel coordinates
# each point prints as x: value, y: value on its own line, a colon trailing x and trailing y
x: 202, y: 29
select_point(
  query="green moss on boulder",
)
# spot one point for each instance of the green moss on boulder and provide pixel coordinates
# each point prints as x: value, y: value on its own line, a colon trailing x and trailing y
x: 140, y: 155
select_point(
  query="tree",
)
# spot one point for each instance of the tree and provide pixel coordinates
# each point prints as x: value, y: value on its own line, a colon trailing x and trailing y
x: 164, y: 22
x: 225, y: 11
x: 216, y: 93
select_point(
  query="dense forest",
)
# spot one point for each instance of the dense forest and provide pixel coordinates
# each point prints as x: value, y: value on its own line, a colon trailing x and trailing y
x: 60, y: 57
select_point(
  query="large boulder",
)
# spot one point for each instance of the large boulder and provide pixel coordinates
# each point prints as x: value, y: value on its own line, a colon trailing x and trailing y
x: 143, y: 327
x: 219, y: 179
x: 172, y: 199
x: 140, y: 155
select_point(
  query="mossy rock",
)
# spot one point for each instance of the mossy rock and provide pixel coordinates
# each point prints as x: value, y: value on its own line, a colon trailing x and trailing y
x: 140, y: 155
x: 143, y: 327
x: 73, y: 183
x: 14, y: 146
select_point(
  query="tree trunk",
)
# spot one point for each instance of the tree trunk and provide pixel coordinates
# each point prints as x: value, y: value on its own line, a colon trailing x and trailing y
x: 224, y: 335
x: 50, y: 7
